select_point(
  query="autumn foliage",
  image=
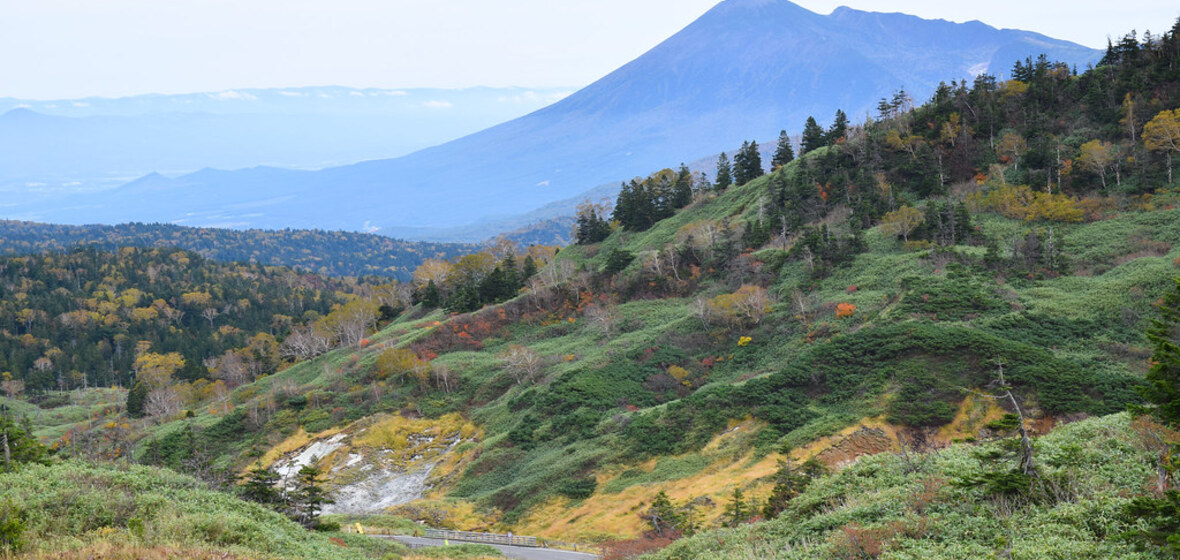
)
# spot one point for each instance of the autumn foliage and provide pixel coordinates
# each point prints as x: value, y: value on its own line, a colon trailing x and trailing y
x: 845, y: 310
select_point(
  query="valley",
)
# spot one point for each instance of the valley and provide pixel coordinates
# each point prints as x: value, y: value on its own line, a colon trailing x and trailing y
x: 948, y: 328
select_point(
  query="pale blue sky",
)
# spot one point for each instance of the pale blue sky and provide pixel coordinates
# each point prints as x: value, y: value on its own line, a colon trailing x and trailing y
x: 76, y: 48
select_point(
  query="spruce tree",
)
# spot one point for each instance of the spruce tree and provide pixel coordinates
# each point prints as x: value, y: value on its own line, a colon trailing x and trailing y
x: 308, y: 497
x: 813, y: 136
x: 738, y: 510
x: 18, y: 445
x: 529, y: 269
x: 682, y: 191
x: 753, y: 162
x: 741, y: 165
x: 783, y: 154
x: 430, y: 298
x: 1162, y: 382
x: 261, y: 485
x: 136, y: 398
x: 839, y: 128
x: 724, y: 173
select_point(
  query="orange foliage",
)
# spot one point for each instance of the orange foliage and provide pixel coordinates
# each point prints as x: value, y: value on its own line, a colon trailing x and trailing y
x: 845, y: 310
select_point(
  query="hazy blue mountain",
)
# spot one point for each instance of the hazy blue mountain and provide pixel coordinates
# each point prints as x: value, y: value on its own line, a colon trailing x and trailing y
x: 89, y: 144
x: 744, y: 70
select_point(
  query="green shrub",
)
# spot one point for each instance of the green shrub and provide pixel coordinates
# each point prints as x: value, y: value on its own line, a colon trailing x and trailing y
x: 12, y: 528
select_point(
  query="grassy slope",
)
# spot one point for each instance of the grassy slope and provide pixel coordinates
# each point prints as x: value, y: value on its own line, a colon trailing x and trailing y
x: 896, y: 507
x: 1091, y: 321
x: 75, y: 505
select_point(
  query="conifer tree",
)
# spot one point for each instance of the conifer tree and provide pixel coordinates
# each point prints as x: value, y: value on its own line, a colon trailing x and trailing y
x: 430, y: 298
x: 751, y: 166
x: 260, y: 485
x: 738, y: 510
x: 136, y: 398
x: 839, y: 128
x: 783, y: 154
x: 724, y: 173
x: 18, y: 445
x: 1162, y: 387
x: 741, y: 164
x: 529, y: 269
x: 682, y: 191
x: 813, y: 136
x: 308, y: 497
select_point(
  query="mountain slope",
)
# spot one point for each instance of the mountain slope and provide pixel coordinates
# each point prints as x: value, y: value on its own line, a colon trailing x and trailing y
x: 747, y: 68
x: 80, y: 145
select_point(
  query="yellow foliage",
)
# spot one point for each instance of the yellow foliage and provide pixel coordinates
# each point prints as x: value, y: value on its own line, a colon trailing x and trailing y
x: 747, y: 305
x: 156, y: 370
x: 402, y: 362
x: 680, y: 374
x: 901, y: 222
x: 1022, y: 203
x: 745, y: 340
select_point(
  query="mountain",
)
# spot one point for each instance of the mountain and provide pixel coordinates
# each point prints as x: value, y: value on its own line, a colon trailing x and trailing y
x: 901, y: 322
x: 74, y: 145
x: 745, y: 69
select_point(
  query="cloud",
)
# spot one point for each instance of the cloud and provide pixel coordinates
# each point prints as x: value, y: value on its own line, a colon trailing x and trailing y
x: 396, y: 92
x: 291, y: 93
x: 543, y: 184
x: 433, y: 104
x: 231, y: 95
x: 356, y: 94
x: 81, y: 104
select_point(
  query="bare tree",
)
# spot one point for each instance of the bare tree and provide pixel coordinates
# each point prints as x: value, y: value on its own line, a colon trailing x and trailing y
x: 442, y: 378
x: 1004, y: 392
x: 304, y: 343
x: 523, y: 363
x: 162, y: 403
x: 602, y: 317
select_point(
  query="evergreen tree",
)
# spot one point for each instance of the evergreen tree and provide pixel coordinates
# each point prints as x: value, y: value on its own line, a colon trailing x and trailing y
x: 629, y: 206
x: 724, y: 173
x: 590, y: 226
x: 617, y: 260
x: 1162, y: 382
x: 308, y: 497
x: 430, y: 297
x: 750, y: 167
x: 738, y: 510
x: 136, y: 398
x: 741, y: 164
x: 788, y: 484
x: 663, y: 516
x: 839, y: 128
x: 261, y: 485
x: 682, y: 191
x: 529, y: 269
x: 18, y: 445
x: 783, y: 154
x: 813, y: 136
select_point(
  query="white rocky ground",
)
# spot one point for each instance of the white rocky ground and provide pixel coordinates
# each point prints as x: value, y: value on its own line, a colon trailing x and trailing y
x: 366, y: 480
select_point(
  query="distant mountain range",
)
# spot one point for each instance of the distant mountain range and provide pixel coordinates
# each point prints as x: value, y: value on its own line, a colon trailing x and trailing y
x: 72, y: 145
x: 744, y: 70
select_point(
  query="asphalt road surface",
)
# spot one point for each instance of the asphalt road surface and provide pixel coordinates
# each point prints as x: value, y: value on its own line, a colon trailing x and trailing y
x: 522, y: 552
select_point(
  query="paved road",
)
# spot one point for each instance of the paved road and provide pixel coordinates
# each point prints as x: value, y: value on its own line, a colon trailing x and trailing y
x: 522, y: 552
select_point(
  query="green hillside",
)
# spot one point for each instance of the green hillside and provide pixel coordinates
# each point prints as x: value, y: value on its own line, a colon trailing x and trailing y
x: 928, y: 278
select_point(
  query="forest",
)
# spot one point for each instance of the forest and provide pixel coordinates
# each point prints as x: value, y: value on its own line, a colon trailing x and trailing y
x: 331, y: 253
x: 913, y: 337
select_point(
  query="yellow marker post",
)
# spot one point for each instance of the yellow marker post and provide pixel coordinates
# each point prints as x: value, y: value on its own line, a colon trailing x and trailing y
x: 359, y: 529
